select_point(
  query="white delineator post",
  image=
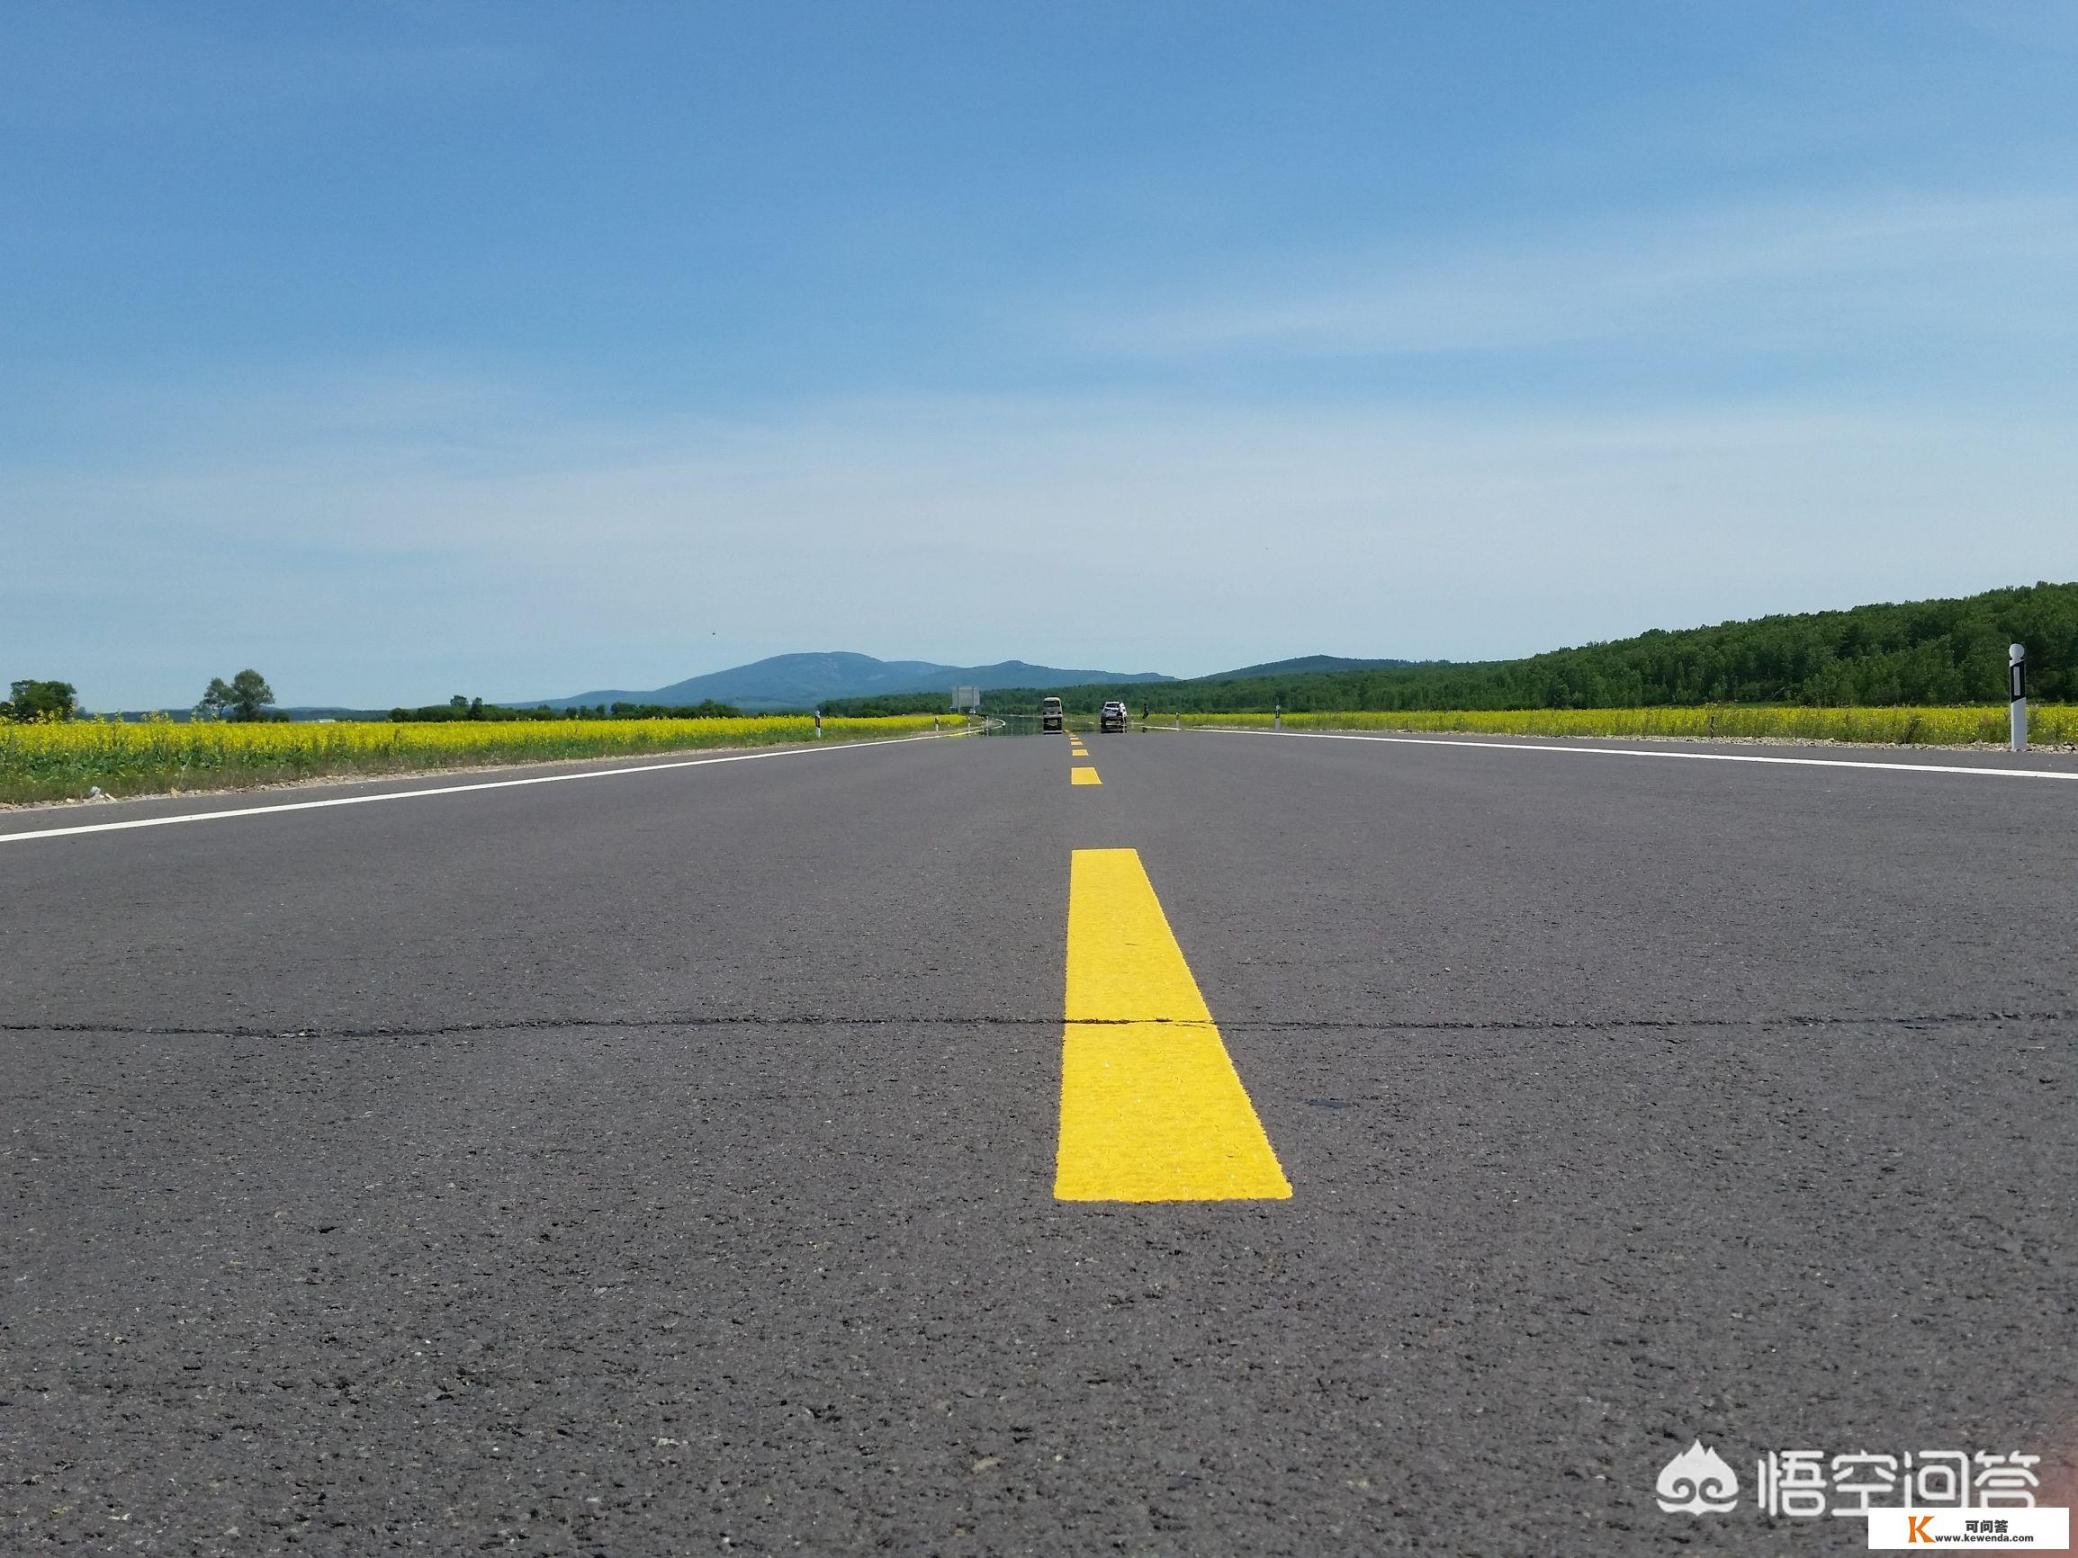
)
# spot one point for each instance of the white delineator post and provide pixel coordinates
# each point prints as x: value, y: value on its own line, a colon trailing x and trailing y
x: 2016, y: 693
x: 818, y: 724
x: 1277, y: 716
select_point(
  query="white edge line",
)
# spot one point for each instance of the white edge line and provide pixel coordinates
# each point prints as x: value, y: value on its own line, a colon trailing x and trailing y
x: 1547, y: 744
x: 458, y: 789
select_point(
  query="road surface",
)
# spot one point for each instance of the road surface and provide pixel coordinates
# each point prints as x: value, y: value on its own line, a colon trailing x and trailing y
x: 675, y: 1162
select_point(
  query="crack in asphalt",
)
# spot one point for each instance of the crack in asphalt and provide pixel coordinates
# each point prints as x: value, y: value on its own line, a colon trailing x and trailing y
x: 1923, y: 1020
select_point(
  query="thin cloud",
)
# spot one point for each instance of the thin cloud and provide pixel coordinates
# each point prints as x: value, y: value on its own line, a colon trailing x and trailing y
x: 1817, y: 273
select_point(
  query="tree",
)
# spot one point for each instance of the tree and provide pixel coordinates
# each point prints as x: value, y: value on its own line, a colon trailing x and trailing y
x: 250, y: 695
x: 244, y: 697
x: 29, y: 699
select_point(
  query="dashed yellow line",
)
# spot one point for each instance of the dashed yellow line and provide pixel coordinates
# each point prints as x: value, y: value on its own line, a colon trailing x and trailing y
x: 1151, y: 1106
x: 1083, y: 776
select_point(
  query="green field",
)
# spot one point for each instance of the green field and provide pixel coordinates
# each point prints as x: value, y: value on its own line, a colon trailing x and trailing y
x: 2048, y: 724
x: 65, y: 760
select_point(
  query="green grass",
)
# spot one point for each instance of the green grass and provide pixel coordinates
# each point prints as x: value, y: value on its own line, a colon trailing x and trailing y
x: 64, y: 761
x: 2048, y: 724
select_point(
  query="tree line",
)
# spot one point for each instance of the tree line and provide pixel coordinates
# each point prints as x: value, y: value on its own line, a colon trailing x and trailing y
x: 880, y: 705
x: 460, y: 707
x: 1916, y: 652
x: 245, y: 696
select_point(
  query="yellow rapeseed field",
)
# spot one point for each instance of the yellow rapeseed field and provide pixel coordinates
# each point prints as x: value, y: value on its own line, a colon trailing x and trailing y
x: 57, y: 761
x: 2048, y: 724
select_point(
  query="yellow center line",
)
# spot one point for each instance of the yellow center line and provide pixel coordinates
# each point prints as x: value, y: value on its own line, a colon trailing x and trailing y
x: 1151, y: 1106
x: 1083, y: 776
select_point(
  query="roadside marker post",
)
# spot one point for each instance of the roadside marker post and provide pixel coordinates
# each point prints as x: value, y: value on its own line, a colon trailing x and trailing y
x: 819, y: 724
x: 2016, y: 693
x: 1277, y: 716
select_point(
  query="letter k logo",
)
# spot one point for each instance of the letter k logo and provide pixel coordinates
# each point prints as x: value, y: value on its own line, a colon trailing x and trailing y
x: 1916, y: 1529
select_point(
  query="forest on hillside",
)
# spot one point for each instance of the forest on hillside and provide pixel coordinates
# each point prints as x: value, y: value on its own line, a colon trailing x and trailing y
x: 1917, y: 652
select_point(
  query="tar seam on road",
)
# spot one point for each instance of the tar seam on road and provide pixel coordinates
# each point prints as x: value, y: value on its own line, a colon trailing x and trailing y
x: 1702, y: 757
x: 632, y: 1023
x: 457, y: 789
x: 1151, y: 1106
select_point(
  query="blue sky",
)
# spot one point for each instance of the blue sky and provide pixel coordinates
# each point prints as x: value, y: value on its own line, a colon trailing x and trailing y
x: 404, y: 349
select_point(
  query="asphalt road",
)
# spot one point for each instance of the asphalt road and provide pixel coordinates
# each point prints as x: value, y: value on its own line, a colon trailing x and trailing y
x: 664, y: 1164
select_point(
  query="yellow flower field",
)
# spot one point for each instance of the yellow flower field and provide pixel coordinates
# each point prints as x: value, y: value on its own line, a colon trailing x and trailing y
x: 60, y: 761
x: 2048, y: 724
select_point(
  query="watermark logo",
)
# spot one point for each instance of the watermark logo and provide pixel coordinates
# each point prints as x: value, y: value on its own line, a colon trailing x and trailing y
x: 1908, y: 1499
x: 1907, y: 1530
x: 1697, y: 1482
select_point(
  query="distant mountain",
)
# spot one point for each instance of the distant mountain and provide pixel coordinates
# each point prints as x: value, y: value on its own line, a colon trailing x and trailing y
x: 806, y: 681
x: 1303, y: 665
